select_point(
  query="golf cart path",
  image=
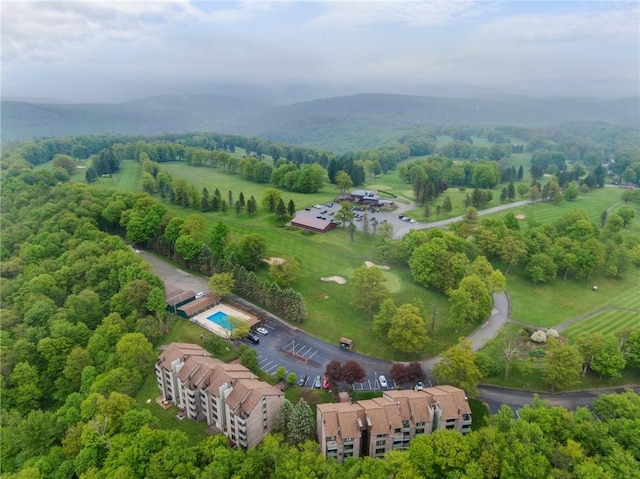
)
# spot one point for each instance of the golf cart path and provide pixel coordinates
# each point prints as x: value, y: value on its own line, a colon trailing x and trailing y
x: 485, y: 333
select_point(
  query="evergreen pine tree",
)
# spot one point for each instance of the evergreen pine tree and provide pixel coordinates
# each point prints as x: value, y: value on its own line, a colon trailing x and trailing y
x: 301, y: 423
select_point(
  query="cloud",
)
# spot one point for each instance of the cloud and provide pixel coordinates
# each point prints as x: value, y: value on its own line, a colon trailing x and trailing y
x: 415, y: 13
x: 570, y: 26
x: 53, y: 30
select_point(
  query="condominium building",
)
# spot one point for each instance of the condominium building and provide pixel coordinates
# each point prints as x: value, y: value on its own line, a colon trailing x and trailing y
x: 226, y: 396
x: 375, y: 426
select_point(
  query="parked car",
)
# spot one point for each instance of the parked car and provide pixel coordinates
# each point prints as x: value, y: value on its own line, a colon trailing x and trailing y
x: 307, y: 209
x: 318, y: 382
x: 318, y: 206
x: 302, y: 380
x: 412, y: 220
x: 419, y: 386
x: 263, y: 331
x: 253, y: 337
x: 383, y: 381
x: 199, y: 295
x: 325, y: 382
x: 323, y: 212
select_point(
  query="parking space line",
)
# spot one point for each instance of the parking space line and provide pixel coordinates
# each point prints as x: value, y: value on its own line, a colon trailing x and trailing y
x: 266, y: 365
x: 314, y: 353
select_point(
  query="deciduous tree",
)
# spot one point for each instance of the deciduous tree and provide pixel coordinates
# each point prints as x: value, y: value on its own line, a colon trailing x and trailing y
x: 283, y: 273
x: 353, y: 372
x: 458, y: 368
x: 221, y: 284
x: 333, y: 371
x: 369, y: 289
x: 408, y: 329
x: 564, y: 365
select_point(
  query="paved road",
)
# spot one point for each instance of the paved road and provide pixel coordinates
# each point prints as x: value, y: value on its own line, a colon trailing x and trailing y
x: 496, y: 396
x: 313, y: 354
x: 405, y: 228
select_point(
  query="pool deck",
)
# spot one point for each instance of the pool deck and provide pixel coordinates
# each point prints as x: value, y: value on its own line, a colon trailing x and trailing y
x: 202, y: 321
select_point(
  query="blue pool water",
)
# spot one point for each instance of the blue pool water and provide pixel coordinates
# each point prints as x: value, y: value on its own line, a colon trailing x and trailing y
x: 221, y: 319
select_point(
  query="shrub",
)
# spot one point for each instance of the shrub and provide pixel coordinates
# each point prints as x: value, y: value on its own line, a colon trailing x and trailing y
x: 536, y: 353
x: 488, y: 366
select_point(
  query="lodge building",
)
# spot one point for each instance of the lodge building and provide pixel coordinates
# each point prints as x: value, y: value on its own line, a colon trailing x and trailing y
x: 226, y: 396
x: 375, y: 426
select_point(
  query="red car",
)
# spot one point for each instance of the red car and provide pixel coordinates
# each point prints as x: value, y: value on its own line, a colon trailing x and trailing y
x: 325, y: 382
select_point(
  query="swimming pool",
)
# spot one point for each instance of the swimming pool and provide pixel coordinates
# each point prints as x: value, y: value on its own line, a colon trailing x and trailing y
x: 220, y: 319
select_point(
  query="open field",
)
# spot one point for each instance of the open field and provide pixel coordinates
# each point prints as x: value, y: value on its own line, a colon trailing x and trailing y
x: 549, y: 305
x: 592, y: 203
x: 213, y: 178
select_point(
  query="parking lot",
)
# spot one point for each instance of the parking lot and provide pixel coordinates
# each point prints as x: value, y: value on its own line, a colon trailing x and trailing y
x: 302, y: 354
x: 375, y: 216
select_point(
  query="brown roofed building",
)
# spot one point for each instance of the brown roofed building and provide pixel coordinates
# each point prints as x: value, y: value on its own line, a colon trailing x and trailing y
x: 312, y: 224
x: 227, y: 396
x: 198, y: 305
x: 375, y: 426
x: 340, y: 427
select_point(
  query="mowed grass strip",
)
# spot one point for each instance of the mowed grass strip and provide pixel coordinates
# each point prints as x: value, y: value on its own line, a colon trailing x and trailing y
x: 608, y: 323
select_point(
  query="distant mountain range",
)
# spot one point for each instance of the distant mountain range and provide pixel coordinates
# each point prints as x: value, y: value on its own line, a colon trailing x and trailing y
x: 337, y: 124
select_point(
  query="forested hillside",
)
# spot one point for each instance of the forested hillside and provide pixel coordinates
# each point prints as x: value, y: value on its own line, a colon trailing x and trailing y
x: 335, y: 124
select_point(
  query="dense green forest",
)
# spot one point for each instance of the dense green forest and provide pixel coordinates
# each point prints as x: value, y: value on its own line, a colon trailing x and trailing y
x: 82, y: 314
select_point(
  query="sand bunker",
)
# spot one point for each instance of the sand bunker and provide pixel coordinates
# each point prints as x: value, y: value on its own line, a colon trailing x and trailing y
x: 273, y: 260
x: 336, y: 279
x: 371, y: 265
x: 520, y: 216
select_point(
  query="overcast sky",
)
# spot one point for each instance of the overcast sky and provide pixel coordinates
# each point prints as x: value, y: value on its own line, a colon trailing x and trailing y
x: 120, y: 50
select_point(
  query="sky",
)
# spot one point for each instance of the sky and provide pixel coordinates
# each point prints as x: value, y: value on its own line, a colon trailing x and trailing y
x: 97, y: 51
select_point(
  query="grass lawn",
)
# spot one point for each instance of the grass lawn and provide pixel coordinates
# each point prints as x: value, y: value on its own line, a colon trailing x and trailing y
x: 552, y: 303
x: 146, y: 399
x: 592, y: 203
x: 607, y: 322
x: 213, y: 178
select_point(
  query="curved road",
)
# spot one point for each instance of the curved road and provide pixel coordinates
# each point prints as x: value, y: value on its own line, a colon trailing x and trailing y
x: 284, y: 334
